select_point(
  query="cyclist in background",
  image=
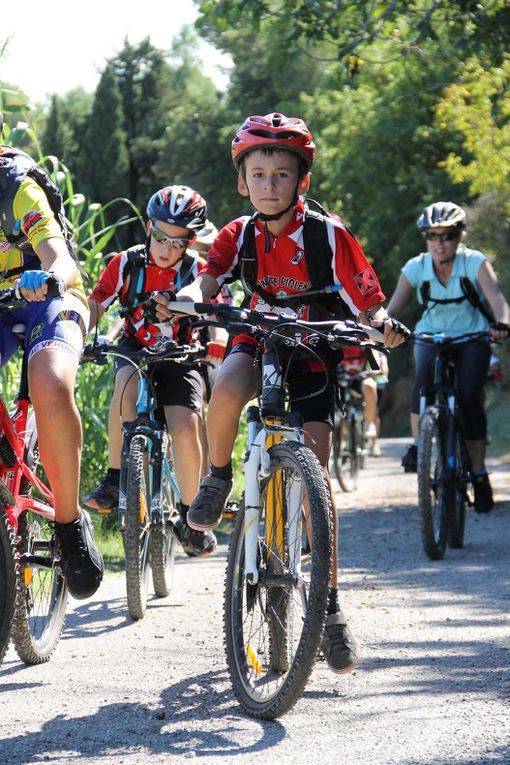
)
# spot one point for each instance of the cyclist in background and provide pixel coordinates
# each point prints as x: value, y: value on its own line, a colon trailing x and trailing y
x: 34, y: 246
x: 273, y: 155
x: 176, y: 214
x: 353, y: 363
x: 451, y: 281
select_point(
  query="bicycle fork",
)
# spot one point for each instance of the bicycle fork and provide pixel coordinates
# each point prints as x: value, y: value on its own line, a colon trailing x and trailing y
x: 257, y: 467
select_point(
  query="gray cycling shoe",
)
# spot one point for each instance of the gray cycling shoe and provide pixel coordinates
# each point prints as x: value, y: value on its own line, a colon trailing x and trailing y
x: 196, y: 544
x: 82, y: 563
x: 207, y: 508
x: 339, y: 647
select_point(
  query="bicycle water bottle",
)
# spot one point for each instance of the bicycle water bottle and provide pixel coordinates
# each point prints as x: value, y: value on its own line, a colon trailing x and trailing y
x: 272, y: 384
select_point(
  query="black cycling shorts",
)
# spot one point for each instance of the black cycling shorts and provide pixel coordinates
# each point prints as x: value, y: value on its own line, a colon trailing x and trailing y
x: 313, y: 394
x: 174, y: 384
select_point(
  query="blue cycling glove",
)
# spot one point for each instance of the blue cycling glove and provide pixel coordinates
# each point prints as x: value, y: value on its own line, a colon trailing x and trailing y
x: 32, y: 280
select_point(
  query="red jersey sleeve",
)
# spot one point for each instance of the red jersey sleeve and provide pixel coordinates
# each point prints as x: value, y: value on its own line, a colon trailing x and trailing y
x: 223, y: 256
x: 360, y: 285
x: 110, y: 282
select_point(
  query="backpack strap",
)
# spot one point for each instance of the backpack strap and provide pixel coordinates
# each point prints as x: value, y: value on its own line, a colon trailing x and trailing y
x: 134, y: 275
x: 471, y: 294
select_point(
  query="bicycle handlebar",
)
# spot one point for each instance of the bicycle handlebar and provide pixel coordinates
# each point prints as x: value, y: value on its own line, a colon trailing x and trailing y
x: 251, y: 321
x: 445, y: 340
x: 11, y: 299
x: 170, y: 350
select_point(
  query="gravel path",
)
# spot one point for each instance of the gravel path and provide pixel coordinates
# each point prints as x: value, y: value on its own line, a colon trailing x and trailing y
x: 433, y: 687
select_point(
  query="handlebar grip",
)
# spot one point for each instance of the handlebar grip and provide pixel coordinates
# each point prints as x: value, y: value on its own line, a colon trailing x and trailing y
x: 56, y: 288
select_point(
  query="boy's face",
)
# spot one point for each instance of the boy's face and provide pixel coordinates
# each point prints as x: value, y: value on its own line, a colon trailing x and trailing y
x: 271, y: 179
x: 173, y: 241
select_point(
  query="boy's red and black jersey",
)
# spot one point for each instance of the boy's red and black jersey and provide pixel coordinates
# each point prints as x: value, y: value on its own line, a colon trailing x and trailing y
x: 283, y: 270
x: 113, y: 284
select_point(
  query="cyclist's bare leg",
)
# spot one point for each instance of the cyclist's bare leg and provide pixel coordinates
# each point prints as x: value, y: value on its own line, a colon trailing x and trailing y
x: 122, y: 408
x: 234, y: 387
x: 51, y: 377
x: 184, y: 427
x: 319, y: 438
x: 369, y: 389
x: 415, y: 424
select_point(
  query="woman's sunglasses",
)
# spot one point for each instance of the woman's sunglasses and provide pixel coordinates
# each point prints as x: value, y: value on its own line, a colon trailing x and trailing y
x: 161, y: 238
x: 448, y: 236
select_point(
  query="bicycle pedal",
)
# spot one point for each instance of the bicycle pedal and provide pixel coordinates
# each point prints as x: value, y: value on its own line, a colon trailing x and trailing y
x: 231, y: 510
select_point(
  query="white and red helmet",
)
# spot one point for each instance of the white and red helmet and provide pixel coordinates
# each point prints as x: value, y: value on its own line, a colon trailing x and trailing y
x: 179, y: 205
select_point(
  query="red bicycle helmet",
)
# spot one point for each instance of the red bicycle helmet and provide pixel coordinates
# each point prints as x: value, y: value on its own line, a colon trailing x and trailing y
x: 273, y: 130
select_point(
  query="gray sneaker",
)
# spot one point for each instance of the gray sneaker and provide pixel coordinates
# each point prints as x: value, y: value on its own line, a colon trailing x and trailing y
x: 207, y: 508
x: 338, y: 645
x: 196, y: 544
x: 82, y: 563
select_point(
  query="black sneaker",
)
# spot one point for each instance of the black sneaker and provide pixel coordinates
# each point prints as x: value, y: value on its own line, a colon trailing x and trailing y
x: 207, y: 508
x: 410, y: 459
x: 82, y: 563
x: 338, y: 645
x: 105, y: 496
x: 484, y: 501
x: 196, y: 544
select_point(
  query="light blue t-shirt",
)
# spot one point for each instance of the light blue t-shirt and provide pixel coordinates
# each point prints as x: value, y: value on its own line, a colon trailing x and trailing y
x: 453, y: 318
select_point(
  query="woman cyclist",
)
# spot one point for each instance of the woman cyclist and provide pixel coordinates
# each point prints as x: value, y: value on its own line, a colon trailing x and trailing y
x: 451, y: 281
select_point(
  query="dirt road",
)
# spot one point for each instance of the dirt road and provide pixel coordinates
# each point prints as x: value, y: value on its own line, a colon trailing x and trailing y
x: 433, y: 687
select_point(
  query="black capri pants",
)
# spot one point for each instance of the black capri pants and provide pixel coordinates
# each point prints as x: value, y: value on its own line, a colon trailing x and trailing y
x: 472, y: 362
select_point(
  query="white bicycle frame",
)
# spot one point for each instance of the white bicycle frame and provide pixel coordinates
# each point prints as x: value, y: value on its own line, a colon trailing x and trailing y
x: 257, y: 467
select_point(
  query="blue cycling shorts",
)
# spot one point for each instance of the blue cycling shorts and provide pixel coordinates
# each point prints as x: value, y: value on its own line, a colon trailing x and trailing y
x: 59, y: 323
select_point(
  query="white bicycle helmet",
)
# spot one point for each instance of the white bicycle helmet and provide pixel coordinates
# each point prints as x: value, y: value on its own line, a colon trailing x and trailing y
x: 442, y: 214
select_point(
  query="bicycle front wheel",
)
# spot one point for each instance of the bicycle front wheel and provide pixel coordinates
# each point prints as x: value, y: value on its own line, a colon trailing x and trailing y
x: 42, y: 589
x: 457, y: 496
x: 273, y: 628
x: 346, y: 458
x: 432, y: 489
x: 138, y: 527
x: 162, y: 540
x: 8, y: 578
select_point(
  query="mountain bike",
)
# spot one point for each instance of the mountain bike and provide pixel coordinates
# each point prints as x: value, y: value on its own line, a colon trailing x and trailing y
x: 148, y: 491
x: 33, y: 590
x: 349, y: 442
x: 444, y: 466
x: 278, y: 568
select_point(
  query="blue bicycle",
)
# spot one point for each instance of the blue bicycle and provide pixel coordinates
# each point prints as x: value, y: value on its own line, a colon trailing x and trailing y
x: 148, y: 491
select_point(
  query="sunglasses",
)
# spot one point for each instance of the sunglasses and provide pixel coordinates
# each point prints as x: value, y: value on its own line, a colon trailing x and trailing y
x: 448, y: 236
x: 161, y: 238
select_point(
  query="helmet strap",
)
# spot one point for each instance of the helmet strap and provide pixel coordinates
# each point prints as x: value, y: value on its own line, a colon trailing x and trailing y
x: 276, y: 216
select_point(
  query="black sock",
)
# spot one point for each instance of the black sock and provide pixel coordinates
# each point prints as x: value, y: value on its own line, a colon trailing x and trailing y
x: 224, y: 472
x: 113, y: 473
x: 183, y: 511
x: 333, y: 604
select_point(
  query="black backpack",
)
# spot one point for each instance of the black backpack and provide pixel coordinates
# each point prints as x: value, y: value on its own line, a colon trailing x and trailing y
x: 469, y: 293
x: 318, y: 256
x: 15, y: 166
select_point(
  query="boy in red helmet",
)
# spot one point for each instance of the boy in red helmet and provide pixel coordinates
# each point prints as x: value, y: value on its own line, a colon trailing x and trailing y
x: 273, y: 155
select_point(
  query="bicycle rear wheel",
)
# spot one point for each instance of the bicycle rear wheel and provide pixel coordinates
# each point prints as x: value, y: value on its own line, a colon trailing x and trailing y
x: 345, y: 453
x: 432, y: 490
x: 42, y: 589
x: 138, y: 527
x: 273, y: 628
x: 8, y: 577
x: 162, y: 539
x: 457, y: 496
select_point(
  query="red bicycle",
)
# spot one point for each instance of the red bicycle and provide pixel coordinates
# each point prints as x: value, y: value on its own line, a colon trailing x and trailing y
x: 33, y: 590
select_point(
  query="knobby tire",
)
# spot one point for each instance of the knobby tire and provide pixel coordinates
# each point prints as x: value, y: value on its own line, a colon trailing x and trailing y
x: 9, y: 566
x: 432, y: 491
x: 138, y: 528
x: 346, y: 458
x: 42, y: 590
x: 457, y: 496
x: 162, y: 540
x: 272, y: 633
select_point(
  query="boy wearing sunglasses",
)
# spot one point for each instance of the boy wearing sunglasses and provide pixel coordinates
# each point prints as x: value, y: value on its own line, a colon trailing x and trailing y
x: 175, y: 215
x: 451, y: 282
